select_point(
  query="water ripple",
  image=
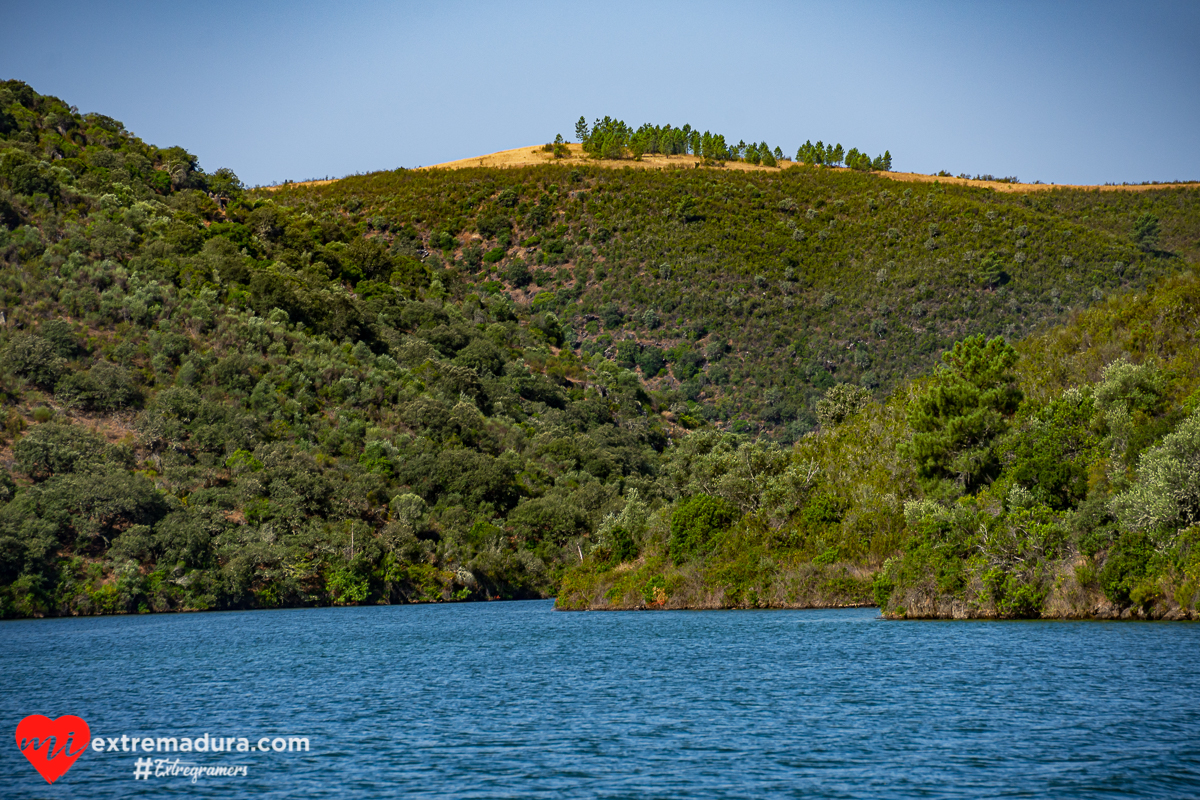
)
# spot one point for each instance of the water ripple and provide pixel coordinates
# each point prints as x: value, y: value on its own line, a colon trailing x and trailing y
x: 515, y: 700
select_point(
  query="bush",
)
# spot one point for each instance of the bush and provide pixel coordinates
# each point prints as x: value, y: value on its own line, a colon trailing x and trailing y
x: 611, y: 315
x: 34, y: 359
x: 687, y: 363
x: 348, y: 588
x: 54, y: 449
x: 492, y: 225
x: 651, y: 359
x: 695, y: 522
x: 627, y: 353
x: 482, y: 356
x: 1049, y: 454
x: 1166, y: 497
x: 61, y: 334
x: 548, y: 519
x: 1126, y: 567
x: 839, y: 402
x: 882, y: 588
x: 509, y: 197
x: 104, y: 387
x: 518, y: 274
x: 1013, y: 596
x: 472, y: 256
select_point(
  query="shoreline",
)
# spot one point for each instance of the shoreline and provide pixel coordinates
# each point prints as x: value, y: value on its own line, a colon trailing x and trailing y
x: 937, y: 609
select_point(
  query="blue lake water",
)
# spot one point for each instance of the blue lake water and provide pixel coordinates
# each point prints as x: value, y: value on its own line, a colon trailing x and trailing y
x: 517, y: 700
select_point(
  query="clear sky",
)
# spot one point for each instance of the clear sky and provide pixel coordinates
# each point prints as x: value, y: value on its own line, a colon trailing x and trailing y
x: 1063, y: 92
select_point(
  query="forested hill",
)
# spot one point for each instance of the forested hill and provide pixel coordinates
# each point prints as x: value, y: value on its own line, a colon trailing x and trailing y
x: 426, y: 385
x: 778, y: 283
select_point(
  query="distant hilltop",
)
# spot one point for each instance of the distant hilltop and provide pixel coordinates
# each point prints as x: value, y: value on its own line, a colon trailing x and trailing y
x: 575, y: 156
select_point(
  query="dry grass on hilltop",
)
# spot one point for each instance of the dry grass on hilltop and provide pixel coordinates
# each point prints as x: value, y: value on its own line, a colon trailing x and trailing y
x: 535, y: 156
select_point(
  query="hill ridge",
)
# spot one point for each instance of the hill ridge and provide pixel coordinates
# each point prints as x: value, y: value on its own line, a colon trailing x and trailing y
x: 536, y: 156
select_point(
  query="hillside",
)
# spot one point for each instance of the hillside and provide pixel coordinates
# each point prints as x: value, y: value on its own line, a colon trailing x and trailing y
x: 473, y: 383
x: 777, y: 282
x: 1068, y: 487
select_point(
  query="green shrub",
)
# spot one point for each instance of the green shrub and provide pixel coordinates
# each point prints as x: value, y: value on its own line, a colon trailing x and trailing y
x: 34, y: 359
x: 518, y: 274
x: 1049, y: 454
x: 694, y: 524
x: 651, y: 360
x: 1126, y: 566
x: 56, y: 449
x: 1013, y: 596
x: 348, y: 588
x: 1166, y: 497
x: 882, y: 588
x: 839, y: 402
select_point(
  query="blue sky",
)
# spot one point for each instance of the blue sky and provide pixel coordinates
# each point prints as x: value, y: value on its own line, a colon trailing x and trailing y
x: 1066, y: 92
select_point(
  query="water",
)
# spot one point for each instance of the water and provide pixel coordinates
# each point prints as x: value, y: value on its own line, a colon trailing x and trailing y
x: 517, y: 700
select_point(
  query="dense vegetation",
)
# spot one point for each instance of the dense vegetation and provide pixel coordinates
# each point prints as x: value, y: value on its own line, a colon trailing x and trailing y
x: 1061, y: 477
x: 218, y: 401
x: 742, y: 297
x: 432, y: 385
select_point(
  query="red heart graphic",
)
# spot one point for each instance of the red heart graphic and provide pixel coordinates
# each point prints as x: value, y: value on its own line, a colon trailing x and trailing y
x: 47, y: 743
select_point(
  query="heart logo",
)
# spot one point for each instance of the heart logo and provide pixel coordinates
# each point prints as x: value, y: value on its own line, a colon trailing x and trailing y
x: 48, y: 743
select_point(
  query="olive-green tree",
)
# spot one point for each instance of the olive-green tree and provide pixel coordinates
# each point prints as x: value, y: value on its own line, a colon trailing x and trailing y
x: 1166, y: 497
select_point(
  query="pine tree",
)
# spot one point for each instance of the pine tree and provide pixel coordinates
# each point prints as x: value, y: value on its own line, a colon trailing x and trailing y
x: 720, y: 149
x: 581, y: 130
x: 1145, y: 232
x: 990, y: 273
x: 967, y: 405
x: 768, y: 159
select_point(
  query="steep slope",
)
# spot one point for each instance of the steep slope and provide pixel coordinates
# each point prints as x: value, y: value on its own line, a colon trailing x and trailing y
x: 778, y: 283
x: 198, y: 415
